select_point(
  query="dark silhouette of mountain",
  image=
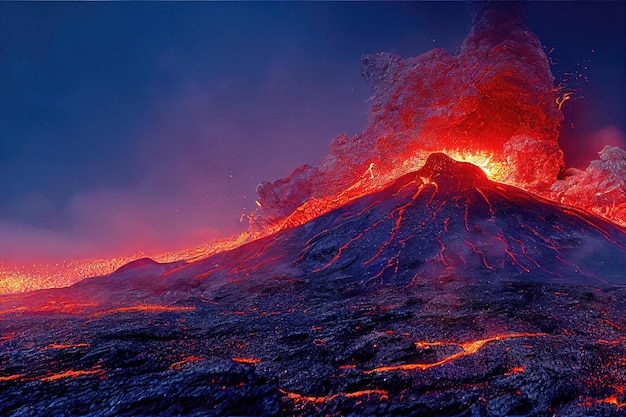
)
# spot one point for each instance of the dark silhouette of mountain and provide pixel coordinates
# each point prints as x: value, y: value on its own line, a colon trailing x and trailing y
x: 443, y: 294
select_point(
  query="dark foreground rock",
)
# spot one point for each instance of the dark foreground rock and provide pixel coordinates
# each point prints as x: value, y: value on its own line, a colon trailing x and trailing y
x: 444, y: 294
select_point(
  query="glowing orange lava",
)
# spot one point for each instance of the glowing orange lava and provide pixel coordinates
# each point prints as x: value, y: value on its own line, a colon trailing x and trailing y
x: 245, y: 360
x: 144, y: 309
x: 11, y: 377
x: 612, y: 400
x: 64, y: 346
x: 495, y: 170
x: 303, y: 398
x: 71, y: 374
x: 179, y: 364
x: 467, y: 348
x: 19, y: 277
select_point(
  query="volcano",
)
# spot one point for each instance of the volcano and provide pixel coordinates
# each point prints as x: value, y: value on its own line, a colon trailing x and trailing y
x: 445, y: 293
x: 440, y: 263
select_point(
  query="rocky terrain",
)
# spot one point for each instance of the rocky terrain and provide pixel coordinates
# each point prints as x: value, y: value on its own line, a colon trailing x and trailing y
x: 444, y: 294
x: 392, y: 279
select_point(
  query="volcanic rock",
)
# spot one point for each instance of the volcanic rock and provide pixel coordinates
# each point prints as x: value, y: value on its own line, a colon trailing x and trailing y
x: 443, y: 294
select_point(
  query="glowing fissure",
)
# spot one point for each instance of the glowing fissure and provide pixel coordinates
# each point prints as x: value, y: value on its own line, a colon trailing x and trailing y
x: 143, y: 309
x: 303, y: 398
x: 246, y: 360
x: 54, y: 376
x: 65, y: 346
x: 71, y: 374
x: 178, y: 365
x: 467, y: 348
x: 19, y: 277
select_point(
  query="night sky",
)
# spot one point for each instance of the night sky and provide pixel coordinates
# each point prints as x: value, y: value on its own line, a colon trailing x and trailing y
x: 127, y: 126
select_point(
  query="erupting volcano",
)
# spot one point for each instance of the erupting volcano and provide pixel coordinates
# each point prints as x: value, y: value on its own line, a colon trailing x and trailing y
x: 442, y: 262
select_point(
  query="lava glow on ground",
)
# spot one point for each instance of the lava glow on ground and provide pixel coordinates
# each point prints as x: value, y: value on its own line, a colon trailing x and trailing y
x: 16, y: 277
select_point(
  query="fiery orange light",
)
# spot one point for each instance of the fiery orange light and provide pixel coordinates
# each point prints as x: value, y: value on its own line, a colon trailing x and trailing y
x: 245, y: 360
x: 64, y: 346
x: 71, y: 374
x: 467, y: 348
x: 613, y: 400
x: 143, y: 308
x: 495, y: 170
x: 297, y: 397
x: 179, y: 364
x: 19, y: 277
x: 11, y: 377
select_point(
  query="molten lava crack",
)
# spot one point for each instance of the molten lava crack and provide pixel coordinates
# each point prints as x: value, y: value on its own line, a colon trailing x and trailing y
x: 467, y: 348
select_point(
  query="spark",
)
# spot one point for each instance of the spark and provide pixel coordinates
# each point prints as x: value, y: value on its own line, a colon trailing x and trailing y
x: 563, y: 98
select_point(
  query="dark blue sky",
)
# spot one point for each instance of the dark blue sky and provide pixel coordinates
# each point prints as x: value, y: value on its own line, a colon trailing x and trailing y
x: 148, y: 124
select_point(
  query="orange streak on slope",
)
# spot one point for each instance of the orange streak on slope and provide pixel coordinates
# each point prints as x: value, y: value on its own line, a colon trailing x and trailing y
x: 467, y: 348
x: 64, y: 346
x: 298, y: 397
x: 143, y: 308
x: 245, y: 360
x: 179, y: 364
x: 613, y: 400
x: 71, y: 374
x: 11, y: 377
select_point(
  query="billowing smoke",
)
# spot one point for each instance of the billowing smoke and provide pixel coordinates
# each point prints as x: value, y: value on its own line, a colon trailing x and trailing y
x: 154, y: 132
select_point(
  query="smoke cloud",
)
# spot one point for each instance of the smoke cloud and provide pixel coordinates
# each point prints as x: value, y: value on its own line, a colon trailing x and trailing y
x: 152, y: 133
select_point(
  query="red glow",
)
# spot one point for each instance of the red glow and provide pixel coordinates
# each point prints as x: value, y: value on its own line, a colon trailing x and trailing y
x: 19, y: 277
x: 11, y: 377
x: 178, y: 365
x: 143, y: 309
x: 467, y: 348
x: 64, y: 346
x: 303, y: 398
x: 613, y: 400
x: 245, y: 360
x: 71, y: 374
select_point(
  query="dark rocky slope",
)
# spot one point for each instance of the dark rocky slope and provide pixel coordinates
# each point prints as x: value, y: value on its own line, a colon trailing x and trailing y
x: 444, y: 294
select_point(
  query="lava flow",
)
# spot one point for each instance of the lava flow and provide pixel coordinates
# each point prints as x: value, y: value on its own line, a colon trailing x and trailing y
x: 467, y: 348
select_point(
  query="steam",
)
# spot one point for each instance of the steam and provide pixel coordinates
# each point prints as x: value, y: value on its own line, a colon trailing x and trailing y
x: 580, y: 149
